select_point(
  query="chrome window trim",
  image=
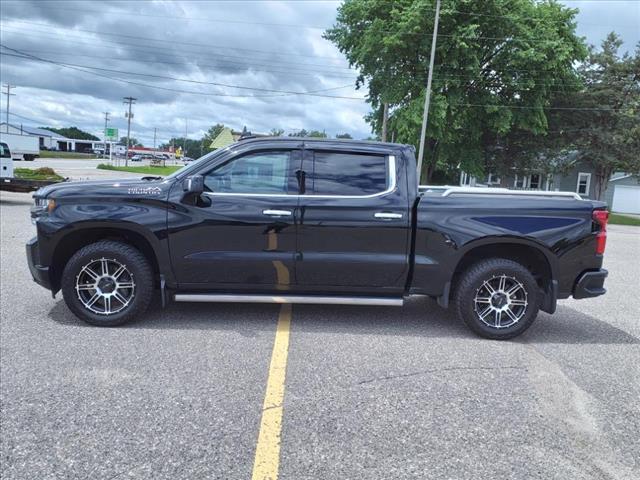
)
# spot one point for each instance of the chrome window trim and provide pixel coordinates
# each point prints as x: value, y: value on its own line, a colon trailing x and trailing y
x: 391, y: 180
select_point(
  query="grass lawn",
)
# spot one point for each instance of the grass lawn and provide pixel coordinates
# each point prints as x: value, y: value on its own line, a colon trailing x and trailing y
x: 619, y: 219
x: 60, y: 154
x: 43, y: 173
x: 145, y: 170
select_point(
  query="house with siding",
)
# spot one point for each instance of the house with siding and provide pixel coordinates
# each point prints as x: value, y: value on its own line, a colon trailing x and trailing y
x: 622, y: 194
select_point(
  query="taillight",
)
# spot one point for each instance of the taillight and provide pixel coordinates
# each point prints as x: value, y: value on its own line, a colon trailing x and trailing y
x: 601, y: 217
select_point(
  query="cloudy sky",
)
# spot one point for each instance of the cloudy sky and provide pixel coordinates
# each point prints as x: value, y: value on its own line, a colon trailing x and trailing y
x: 139, y: 49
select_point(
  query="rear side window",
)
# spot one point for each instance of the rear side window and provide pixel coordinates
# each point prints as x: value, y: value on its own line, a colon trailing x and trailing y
x: 347, y: 174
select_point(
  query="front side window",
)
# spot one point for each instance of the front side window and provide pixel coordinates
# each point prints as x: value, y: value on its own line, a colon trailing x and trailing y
x: 347, y: 174
x: 257, y: 173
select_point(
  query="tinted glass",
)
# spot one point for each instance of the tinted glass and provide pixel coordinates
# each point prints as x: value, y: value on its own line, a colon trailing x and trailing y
x: 265, y: 172
x: 348, y: 174
x: 4, y: 151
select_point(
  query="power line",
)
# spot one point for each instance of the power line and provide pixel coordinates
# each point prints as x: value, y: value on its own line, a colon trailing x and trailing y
x: 175, y: 42
x: 157, y: 48
x: 82, y: 67
x: 199, y: 82
x: 289, y: 69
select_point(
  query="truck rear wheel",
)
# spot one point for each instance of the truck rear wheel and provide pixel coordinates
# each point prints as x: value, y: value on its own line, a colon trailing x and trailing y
x: 107, y: 283
x: 497, y: 298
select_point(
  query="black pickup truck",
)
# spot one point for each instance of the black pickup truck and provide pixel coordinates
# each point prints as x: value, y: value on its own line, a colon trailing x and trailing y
x: 315, y: 221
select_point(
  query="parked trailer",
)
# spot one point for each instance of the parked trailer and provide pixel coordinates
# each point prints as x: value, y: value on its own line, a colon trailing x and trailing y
x: 22, y: 147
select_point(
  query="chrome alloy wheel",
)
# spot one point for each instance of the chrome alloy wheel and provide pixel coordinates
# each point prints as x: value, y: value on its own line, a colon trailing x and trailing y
x: 105, y: 286
x: 500, y: 302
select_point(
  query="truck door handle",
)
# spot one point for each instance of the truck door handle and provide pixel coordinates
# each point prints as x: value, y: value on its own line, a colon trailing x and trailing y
x: 276, y: 213
x: 387, y: 215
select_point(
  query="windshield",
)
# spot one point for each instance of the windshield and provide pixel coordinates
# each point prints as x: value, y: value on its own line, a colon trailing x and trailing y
x: 196, y: 163
x: 4, y: 151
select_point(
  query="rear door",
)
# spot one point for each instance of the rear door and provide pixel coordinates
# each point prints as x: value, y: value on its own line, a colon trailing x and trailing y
x: 354, y: 222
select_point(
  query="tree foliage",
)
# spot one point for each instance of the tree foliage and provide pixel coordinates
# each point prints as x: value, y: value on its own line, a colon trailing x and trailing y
x: 604, y: 128
x: 498, y: 65
x: 133, y: 142
x: 72, y: 132
x: 309, y: 133
x: 190, y: 147
x: 344, y: 135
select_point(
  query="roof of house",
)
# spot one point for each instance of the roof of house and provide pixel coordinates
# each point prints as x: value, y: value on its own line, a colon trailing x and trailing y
x: 40, y: 132
x: 224, y: 138
x: 621, y: 176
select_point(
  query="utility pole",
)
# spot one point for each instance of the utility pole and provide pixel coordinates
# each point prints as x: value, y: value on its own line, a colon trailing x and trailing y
x: 129, y: 115
x: 385, y: 118
x: 106, y: 121
x: 9, y: 94
x: 184, y: 141
x: 425, y: 114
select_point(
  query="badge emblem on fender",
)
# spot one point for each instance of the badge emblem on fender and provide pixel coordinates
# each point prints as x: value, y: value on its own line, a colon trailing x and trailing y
x: 144, y: 191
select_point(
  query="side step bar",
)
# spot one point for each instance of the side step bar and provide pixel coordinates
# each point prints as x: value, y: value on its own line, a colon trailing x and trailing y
x: 240, y: 298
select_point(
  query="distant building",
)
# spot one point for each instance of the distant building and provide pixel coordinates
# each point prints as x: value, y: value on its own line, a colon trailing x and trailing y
x: 50, y: 140
x: 622, y: 193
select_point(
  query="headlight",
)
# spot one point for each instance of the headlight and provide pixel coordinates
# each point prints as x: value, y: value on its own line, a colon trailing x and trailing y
x: 43, y: 206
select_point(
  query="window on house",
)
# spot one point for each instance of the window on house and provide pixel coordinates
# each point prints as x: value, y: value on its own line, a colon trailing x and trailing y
x: 465, y: 179
x: 534, y: 183
x: 493, y: 179
x: 520, y: 181
x: 584, y: 181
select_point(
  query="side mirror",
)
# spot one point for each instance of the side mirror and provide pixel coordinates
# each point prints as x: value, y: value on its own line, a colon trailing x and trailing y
x: 193, y: 185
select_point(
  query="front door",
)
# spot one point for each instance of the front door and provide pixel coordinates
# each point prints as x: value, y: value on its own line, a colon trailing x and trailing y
x: 354, y: 223
x: 241, y: 233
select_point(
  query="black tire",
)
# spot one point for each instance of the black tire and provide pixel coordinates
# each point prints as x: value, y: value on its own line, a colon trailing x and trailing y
x: 473, y: 290
x: 138, y: 273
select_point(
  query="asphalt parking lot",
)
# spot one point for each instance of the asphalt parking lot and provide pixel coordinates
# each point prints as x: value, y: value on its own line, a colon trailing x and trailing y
x: 370, y: 392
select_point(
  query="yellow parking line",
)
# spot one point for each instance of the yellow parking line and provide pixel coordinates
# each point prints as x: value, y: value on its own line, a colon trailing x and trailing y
x: 265, y: 465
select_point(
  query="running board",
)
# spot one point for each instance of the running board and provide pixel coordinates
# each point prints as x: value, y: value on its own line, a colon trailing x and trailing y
x: 226, y: 298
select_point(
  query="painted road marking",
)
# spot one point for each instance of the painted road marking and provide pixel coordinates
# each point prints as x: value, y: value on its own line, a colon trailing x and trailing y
x: 267, y: 461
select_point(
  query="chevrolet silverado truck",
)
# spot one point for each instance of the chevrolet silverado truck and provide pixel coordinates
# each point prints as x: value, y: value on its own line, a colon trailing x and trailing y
x: 315, y: 221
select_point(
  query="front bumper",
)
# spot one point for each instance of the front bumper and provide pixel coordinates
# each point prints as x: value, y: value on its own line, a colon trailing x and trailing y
x: 590, y: 284
x: 39, y: 273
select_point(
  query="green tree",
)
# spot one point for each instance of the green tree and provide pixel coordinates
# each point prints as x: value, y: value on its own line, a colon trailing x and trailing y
x: 309, y: 133
x: 210, y: 136
x: 604, y: 130
x: 133, y: 142
x: 276, y: 132
x: 343, y: 135
x: 72, y: 132
x: 299, y: 133
x: 498, y: 63
x: 191, y: 148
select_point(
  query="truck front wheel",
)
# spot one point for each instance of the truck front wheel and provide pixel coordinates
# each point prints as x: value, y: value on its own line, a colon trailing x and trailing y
x: 497, y: 298
x: 107, y: 283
